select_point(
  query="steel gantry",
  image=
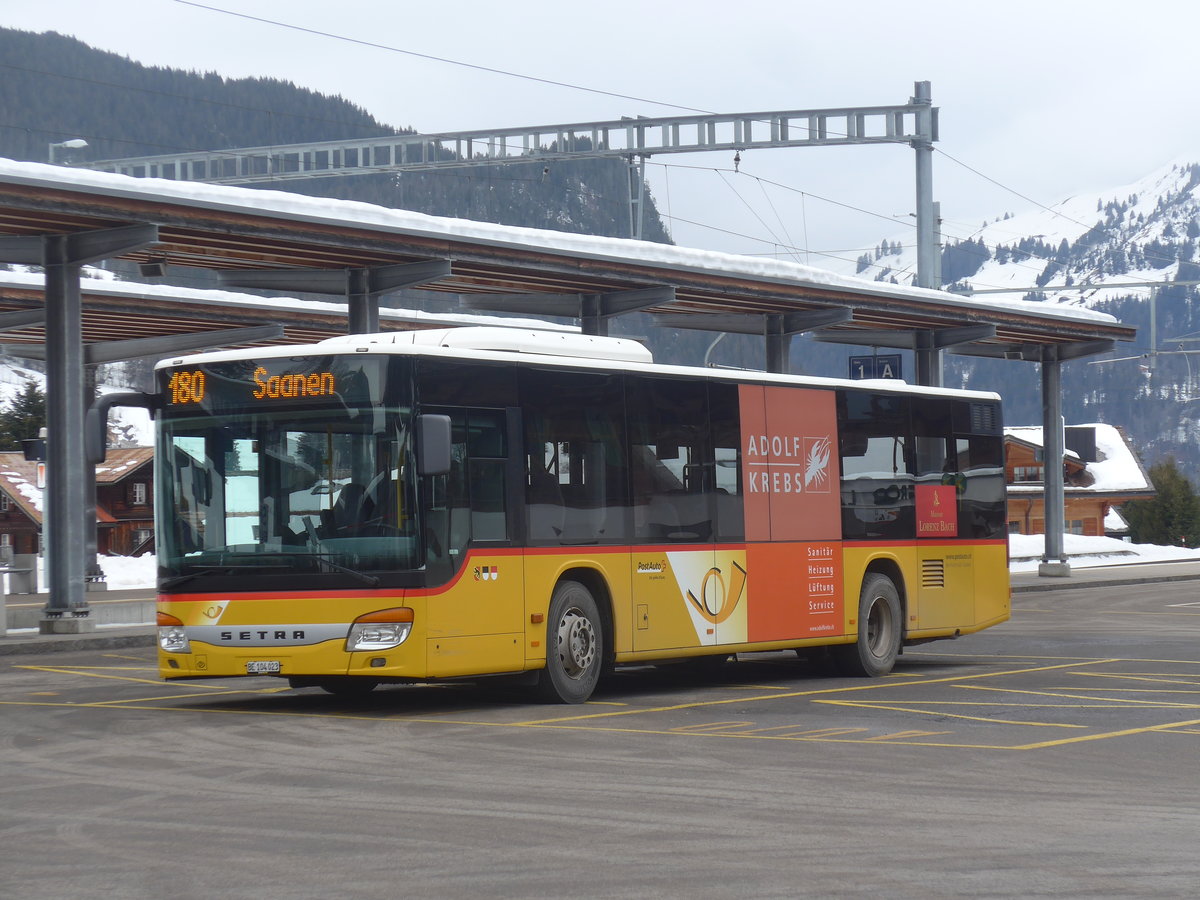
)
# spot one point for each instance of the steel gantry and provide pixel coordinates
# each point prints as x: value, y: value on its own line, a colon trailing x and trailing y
x: 632, y: 139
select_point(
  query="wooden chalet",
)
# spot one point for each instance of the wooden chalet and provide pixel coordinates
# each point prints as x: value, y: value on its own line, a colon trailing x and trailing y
x: 1101, y: 471
x: 124, y: 503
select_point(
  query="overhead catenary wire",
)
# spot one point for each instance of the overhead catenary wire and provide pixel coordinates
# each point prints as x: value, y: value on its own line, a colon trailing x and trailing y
x: 788, y: 243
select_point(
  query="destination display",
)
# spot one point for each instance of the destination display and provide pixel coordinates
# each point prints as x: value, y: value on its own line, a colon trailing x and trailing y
x: 275, y: 383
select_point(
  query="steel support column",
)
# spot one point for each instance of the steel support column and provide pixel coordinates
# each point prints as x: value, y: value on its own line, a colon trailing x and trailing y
x: 637, y: 195
x: 777, y: 329
x: 592, y: 310
x: 928, y: 359
x: 65, y: 506
x: 1054, y: 560
x: 65, y: 499
x: 361, y: 287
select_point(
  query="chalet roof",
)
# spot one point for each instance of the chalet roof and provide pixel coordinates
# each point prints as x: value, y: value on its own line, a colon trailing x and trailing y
x: 123, y: 462
x: 18, y: 475
x: 1116, y: 469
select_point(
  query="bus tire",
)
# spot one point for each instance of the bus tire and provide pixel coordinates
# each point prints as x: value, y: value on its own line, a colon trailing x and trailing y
x: 574, y: 645
x: 880, y: 630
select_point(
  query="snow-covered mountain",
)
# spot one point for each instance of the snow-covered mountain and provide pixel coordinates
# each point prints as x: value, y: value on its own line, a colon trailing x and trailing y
x: 1104, y: 242
x: 1145, y: 231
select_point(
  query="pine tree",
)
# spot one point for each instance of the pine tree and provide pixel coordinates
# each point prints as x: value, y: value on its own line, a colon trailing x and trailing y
x: 1171, y: 518
x: 22, y: 417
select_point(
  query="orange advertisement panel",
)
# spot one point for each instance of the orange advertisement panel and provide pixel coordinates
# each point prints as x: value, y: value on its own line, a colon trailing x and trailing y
x: 795, y: 591
x: 790, y: 463
x: 937, y: 510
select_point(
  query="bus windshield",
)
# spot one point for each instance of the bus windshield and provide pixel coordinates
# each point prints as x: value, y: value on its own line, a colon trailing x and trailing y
x: 288, y: 492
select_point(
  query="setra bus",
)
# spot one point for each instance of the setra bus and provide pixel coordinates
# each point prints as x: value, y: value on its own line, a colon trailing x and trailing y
x: 476, y: 501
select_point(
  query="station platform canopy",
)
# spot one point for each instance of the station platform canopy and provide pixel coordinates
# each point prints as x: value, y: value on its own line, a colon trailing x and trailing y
x: 264, y: 239
x: 61, y: 219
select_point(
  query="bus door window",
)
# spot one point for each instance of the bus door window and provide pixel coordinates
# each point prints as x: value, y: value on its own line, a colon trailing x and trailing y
x: 469, y: 504
x: 673, y: 479
x: 959, y: 443
x: 726, y: 435
x: 978, y: 430
x: 576, y: 486
x: 198, y: 518
x: 486, y: 479
x: 877, y: 469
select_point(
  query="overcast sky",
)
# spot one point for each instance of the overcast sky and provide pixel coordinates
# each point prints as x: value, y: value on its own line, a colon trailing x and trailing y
x: 1046, y: 99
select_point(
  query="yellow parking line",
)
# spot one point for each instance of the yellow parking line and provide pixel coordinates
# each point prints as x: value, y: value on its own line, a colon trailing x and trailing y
x: 824, y: 733
x: 928, y: 712
x: 71, y: 670
x: 711, y: 726
x: 873, y: 686
x: 1062, y: 694
x: 904, y: 734
x: 1109, y: 735
x: 1154, y: 679
x: 185, y: 696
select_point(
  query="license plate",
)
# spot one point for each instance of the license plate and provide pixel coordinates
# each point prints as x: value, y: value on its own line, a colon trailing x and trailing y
x: 263, y: 667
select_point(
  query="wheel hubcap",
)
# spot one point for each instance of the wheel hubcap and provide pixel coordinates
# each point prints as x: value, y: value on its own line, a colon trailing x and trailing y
x: 576, y: 643
x: 879, y: 625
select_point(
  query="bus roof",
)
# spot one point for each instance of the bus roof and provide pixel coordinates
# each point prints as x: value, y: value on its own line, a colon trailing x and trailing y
x: 548, y: 348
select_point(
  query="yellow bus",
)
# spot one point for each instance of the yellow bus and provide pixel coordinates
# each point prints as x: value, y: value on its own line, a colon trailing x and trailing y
x: 475, y: 501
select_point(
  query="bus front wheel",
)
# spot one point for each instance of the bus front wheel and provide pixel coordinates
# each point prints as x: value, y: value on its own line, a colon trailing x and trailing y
x: 880, y: 629
x: 574, y: 645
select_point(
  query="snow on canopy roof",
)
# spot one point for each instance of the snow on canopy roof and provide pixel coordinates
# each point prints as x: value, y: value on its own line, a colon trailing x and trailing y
x: 301, y: 207
x: 1116, y: 467
x: 111, y: 287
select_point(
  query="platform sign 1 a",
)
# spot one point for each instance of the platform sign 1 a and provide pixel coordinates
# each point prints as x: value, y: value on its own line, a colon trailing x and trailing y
x: 886, y: 365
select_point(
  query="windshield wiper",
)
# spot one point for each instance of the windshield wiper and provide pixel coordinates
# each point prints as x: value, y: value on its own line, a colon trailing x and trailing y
x: 369, y: 580
x: 195, y: 573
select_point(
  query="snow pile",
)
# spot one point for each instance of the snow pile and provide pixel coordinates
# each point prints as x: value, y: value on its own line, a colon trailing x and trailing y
x: 128, y: 573
x: 1025, y: 552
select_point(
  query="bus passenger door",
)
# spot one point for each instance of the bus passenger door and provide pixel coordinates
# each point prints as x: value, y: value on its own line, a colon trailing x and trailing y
x: 680, y: 590
x: 476, y: 615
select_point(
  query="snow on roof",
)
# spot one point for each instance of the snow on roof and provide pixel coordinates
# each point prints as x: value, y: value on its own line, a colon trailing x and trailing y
x: 1032, y: 435
x: 18, y: 476
x: 365, y: 215
x: 1114, y: 522
x: 107, y: 287
x: 1116, y: 467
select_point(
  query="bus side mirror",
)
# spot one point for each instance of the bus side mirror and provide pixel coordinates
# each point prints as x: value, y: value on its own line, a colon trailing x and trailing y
x: 95, y: 434
x: 433, y: 445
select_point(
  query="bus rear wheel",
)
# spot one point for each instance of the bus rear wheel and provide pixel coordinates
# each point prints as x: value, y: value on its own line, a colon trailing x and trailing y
x: 880, y: 629
x: 574, y: 645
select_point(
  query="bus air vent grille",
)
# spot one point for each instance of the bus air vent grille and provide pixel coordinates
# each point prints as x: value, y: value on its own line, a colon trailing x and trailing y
x: 933, y: 573
x: 984, y: 419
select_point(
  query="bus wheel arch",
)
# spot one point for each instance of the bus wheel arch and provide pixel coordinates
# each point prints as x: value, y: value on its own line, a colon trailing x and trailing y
x: 578, y: 637
x: 880, y: 625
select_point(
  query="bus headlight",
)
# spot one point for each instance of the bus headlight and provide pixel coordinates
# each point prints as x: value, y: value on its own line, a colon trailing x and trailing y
x: 380, y: 630
x: 172, y: 636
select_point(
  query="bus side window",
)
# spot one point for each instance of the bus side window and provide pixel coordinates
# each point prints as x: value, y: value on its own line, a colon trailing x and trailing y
x: 878, y: 490
x: 671, y: 460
